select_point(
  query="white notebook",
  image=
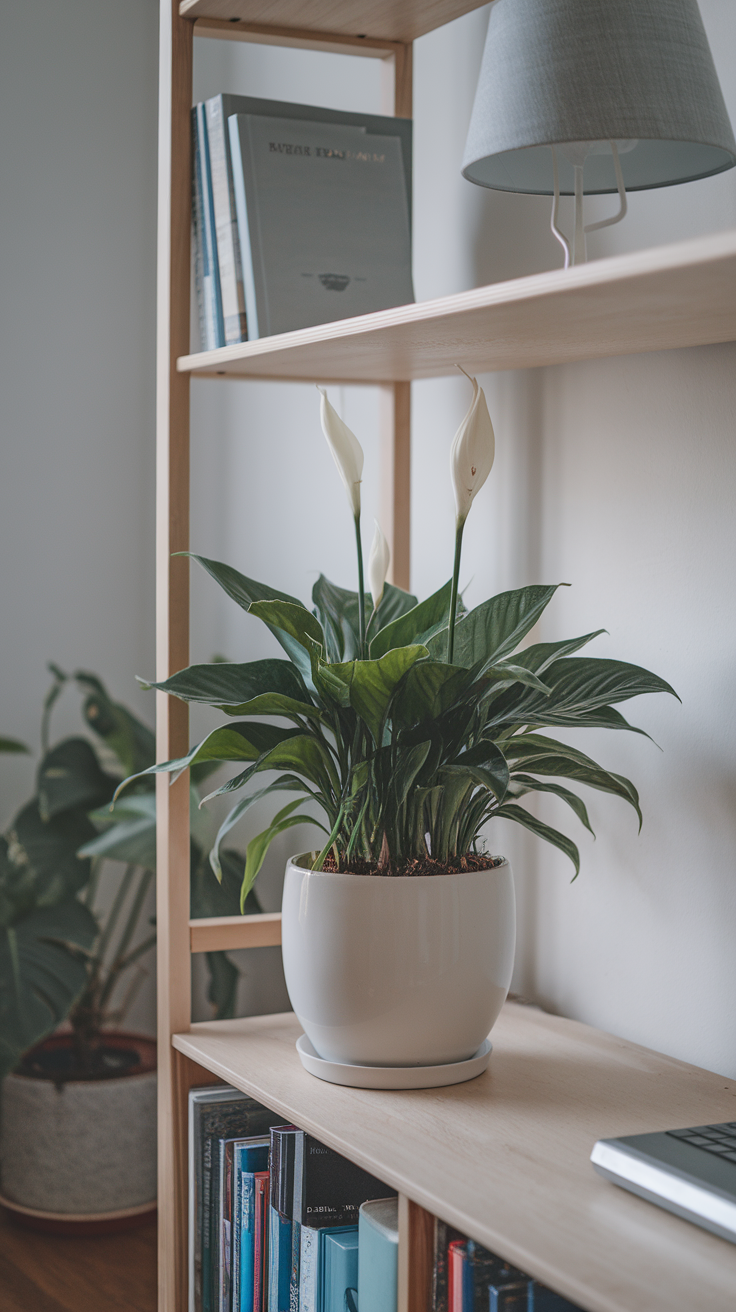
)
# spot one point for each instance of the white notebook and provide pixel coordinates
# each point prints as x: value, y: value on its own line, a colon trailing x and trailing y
x: 323, y: 220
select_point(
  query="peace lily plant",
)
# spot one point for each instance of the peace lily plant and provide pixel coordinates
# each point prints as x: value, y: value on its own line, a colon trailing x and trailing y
x: 409, y: 724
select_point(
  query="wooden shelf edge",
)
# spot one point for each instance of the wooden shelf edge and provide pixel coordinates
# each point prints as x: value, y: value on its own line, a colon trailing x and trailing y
x: 426, y: 339
x: 226, y: 933
x: 377, y: 19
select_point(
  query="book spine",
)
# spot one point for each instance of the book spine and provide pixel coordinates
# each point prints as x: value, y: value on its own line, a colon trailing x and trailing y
x: 236, y: 1236
x: 296, y: 1239
x: 224, y: 1224
x: 247, y: 1242
x: 308, y: 1269
x: 210, y: 275
x: 279, y: 1261
x: 198, y: 257
x: 226, y: 227
x: 207, y: 1263
x: 244, y: 237
x: 260, y: 1250
x: 456, y: 1265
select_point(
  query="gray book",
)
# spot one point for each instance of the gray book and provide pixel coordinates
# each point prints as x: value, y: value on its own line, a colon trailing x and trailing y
x: 226, y: 228
x: 323, y: 217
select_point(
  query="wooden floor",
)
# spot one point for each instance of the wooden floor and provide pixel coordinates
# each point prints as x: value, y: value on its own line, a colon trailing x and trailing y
x: 48, y: 1273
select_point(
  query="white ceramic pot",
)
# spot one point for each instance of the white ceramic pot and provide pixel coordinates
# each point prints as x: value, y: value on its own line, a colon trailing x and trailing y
x: 388, y: 971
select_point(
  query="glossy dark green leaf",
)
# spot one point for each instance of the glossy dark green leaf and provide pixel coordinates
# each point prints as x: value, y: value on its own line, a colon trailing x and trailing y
x: 128, y: 832
x: 407, y: 768
x: 581, y: 684
x: 539, y: 755
x: 495, y: 628
x: 337, y: 609
x: 524, y: 783
x: 414, y: 626
x: 69, y: 777
x: 294, y: 621
x: 232, y: 742
x: 40, y: 978
x: 373, y: 683
x: 541, y: 654
x: 490, y: 766
x: 245, y: 592
x: 286, y: 783
x: 224, y: 684
x: 394, y: 602
x: 429, y: 689
x: 517, y: 813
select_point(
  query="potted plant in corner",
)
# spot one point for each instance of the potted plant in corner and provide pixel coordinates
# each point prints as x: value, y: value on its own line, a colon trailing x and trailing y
x: 411, y: 725
x: 78, y: 1138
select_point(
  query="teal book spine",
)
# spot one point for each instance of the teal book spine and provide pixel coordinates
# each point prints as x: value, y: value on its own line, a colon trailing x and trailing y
x: 378, y: 1248
x: 247, y: 1242
x: 279, y: 1261
x: 338, y: 1270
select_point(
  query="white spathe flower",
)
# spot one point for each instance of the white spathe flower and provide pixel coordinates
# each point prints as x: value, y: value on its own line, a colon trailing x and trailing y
x: 473, y: 450
x: 378, y: 563
x: 346, y: 451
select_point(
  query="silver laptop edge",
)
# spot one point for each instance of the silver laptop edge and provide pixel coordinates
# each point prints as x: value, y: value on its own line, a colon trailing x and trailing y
x: 668, y: 1188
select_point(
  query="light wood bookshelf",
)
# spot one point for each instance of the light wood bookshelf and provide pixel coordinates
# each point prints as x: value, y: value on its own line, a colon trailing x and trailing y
x: 506, y: 1156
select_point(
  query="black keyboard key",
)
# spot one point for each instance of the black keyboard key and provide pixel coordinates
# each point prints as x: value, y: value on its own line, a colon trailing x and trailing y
x: 715, y: 1148
x: 697, y: 1140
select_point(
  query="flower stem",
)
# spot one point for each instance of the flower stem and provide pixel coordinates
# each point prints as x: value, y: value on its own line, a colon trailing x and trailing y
x: 361, y: 588
x: 453, y: 595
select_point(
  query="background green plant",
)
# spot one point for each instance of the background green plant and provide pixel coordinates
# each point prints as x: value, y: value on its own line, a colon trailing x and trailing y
x: 61, y: 956
x: 405, y: 754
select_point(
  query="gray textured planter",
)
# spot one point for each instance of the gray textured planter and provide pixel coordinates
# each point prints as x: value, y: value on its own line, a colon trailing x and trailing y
x: 84, y: 1147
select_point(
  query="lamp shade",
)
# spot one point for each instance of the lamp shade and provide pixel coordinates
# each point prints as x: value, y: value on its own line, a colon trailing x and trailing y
x: 566, y: 72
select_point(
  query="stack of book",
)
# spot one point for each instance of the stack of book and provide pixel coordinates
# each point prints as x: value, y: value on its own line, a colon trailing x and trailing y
x: 300, y: 216
x: 468, y: 1278
x: 278, y: 1222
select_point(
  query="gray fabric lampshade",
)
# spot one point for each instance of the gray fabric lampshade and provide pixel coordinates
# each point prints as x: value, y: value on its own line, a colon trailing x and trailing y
x: 639, y: 72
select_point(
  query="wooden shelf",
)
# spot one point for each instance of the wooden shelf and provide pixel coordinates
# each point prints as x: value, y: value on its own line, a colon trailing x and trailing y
x: 388, y: 19
x: 673, y: 296
x: 505, y: 1157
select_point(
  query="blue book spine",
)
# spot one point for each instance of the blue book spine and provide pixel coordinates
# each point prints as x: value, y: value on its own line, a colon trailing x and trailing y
x: 247, y: 1242
x: 338, y: 1270
x: 214, y: 322
x: 279, y: 1262
x: 294, y: 1273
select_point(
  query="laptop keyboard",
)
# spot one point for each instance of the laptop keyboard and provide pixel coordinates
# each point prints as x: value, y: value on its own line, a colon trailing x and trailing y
x: 717, y: 1139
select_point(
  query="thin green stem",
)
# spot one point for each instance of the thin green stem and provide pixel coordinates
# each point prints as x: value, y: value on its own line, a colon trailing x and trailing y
x: 453, y: 595
x: 361, y: 588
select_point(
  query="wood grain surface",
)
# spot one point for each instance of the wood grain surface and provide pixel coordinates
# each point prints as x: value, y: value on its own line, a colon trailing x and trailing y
x: 394, y: 20
x: 671, y: 296
x: 51, y: 1273
x: 505, y: 1157
x: 224, y: 933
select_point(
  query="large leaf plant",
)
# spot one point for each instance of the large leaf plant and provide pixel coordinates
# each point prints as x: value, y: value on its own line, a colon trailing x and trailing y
x: 72, y: 938
x: 411, y: 729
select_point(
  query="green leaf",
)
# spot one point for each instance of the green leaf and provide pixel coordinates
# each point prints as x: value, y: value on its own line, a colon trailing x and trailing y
x: 12, y: 745
x: 70, y: 777
x: 246, y: 592
x: 582, y: 684
x: 495, y: 628
x: 132, y: 741
x: 337, y: 609
x: 44, y: 854
x: 545, y: 756
x: 258, y: 846
x: 224, y: 684
x: 222, y: 990
x: 430, y: 688
x: 286, y: 782
x: 487, y: 765
x: 528, y: 784
x: 416, y: 625
x: 550, y: 835
x: 408, y: 766
x: 394, y: 602
x: 40, y: 978
x: 235, y: 742
x: 285, y: 617
x: 373, y: 683
x: 541, y: 654
x: 213, y: 897
x: 128, y: 831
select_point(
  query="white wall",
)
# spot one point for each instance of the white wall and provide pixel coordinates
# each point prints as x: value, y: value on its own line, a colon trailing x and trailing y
x: 616, y: 476
x: 78, y: 95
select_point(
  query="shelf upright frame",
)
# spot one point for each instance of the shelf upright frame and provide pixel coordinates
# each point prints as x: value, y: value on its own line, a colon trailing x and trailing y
x: 178, y: 936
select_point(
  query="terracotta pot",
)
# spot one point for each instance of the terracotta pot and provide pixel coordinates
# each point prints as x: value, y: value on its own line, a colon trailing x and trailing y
x: 81, y: 1153
x: 386, y: 971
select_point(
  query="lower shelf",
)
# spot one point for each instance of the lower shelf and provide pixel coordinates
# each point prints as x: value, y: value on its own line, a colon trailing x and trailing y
x: 505, y: 1157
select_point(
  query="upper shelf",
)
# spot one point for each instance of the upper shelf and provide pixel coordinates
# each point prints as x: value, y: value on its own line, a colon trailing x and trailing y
x: 681, y: 295
x: 390, y: 20
x: 505, y: 1157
